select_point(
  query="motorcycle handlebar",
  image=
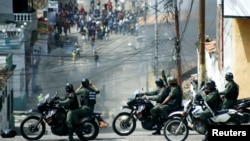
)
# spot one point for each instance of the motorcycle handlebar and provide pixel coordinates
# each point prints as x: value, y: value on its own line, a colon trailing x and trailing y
x: 140, y: 95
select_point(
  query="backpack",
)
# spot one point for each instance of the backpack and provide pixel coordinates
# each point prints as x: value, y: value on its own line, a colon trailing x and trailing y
x: 8, y: 133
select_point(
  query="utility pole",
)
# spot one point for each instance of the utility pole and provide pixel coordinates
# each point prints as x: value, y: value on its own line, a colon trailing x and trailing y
x: 177, y: 45
x: 145, y: 24
x: 156, y: 39
x: 201, y: 49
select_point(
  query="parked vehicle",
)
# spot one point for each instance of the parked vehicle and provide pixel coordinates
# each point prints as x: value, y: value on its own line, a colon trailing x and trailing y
x: 125, y: 122
x: 33, y: 127
x: 178, y: 129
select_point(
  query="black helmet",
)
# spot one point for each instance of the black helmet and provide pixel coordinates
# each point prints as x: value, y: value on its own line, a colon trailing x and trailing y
x: 229, y: 76
x: 210, y: 84
x: 171, y: 80
x: 198, y: 97
x: 85, y: 82
x: 69, y: 87
x: 159, y: 82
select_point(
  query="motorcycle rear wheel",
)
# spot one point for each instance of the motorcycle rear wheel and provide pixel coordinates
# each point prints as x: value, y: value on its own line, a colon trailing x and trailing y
x: 28, y: 130
x: 170, y: 130
x: 247, y: 115
x: 90, y: 131
x: 123, y: 125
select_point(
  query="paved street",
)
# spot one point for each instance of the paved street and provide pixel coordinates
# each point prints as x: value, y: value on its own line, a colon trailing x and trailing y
x: 107, y: 134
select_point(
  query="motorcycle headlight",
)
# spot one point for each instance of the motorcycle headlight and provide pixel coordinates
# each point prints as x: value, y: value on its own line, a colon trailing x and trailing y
x: 41, y: 106
x: 49, y: 116
x: 48, y: 119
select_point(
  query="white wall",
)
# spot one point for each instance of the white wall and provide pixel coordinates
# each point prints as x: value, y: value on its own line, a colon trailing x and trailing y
x: 212, y: 62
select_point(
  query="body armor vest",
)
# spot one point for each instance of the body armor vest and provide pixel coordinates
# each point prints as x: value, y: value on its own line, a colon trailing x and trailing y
x: 90, y: 100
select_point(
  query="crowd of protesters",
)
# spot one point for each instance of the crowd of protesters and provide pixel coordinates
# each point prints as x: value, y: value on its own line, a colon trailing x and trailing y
x: 103, y: 19
x: 96, y: 23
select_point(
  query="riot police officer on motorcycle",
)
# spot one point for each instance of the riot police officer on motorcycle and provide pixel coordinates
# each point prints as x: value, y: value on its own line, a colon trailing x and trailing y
x: 231, y: 92
x: 88, y: 92
x: 174, y: 100
x: 158, y: 95
x: 70, y: 102
x: 212, y: 98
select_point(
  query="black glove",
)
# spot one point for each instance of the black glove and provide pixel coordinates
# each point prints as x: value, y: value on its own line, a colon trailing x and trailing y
x: 56, y: 102
x: 140, y: 94
x: 56, y: 98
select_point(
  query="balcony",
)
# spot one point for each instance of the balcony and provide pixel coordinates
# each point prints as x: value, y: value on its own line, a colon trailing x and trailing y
x: 30, y: 18
x: 25, y: 17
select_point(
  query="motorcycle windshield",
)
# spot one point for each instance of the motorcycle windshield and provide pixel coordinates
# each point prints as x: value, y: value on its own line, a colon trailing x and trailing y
x: 44, y: 99
x: 133, y: 96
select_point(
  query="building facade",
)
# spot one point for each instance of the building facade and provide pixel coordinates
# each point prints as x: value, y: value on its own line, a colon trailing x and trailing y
x: 18, y: 23
x: 232, y: 47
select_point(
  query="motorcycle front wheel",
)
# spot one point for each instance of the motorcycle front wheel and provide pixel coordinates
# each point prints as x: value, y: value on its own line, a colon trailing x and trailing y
x: 90, y: 131
x: 175, y: 130
x: 123, y: 124
x: 31, y: 129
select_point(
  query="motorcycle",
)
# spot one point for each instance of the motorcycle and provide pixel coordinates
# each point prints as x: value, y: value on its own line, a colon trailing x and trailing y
x: 242, y: 105
x: 33, y: 127
x: 125, y: 122
x: 178, y: 129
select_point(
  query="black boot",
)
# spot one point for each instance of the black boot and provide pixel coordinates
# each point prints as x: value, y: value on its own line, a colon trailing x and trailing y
x: 157, y: 132
x: 70, y: 134
x: 158, y: 129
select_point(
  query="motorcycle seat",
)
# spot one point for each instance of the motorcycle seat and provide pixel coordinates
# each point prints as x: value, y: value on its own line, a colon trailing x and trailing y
x: 221, y: 112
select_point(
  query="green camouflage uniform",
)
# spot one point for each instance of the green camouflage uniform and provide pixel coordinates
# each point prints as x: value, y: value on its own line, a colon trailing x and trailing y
x: 88, y: 100
x: 213, y: 101
x: 175, y: 101
x: 231, y: 93
x: 158, y: 96
x: 70, y: 102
